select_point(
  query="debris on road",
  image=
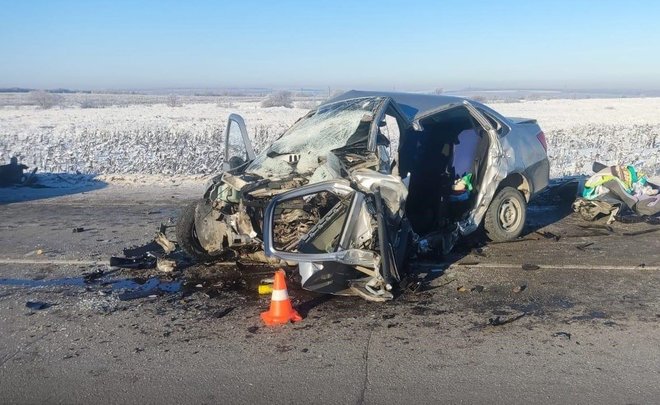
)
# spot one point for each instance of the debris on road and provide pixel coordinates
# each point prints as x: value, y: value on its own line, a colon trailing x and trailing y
x: 162, y: 240
x: 519, y: 288
x: 38, y: 305
x: 549, y: 235
x: 78, y: 229
x: 498, y: 321
x: 583, y: 246
x: 614, y: 189
x: 564, y: 335
x: 265, y: 289
x: 93, y: 275
x: 641, y: 232
x: 165, y: 265
x: 146, y: 261
x: 530, y: 267
x: 224, y: 312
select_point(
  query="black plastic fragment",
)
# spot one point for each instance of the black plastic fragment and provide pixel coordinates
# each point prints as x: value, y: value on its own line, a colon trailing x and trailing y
x: 146, y: 261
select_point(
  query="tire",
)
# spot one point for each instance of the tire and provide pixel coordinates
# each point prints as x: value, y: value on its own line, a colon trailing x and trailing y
x: 506, y: 215
x: 185, y: 234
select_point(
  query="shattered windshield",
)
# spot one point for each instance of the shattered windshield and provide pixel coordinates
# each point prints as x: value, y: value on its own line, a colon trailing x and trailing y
x: 306, y: 147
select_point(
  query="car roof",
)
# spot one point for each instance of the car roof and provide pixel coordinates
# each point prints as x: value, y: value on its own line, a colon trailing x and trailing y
x: 412, y: 104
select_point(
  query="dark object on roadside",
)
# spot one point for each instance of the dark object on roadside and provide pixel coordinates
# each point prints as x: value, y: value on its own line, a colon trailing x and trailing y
x: 478, y: 252
x: 146, y: 261
x: 583, y: 246
x: 38, y: 305
x: 478, y: 288
x: 641, y: 232
x: 635, y: 219
x: 562, y: 334
x: 549, y: 235
x: 93, y: 275
x: 78, y: 229
x: 12, y: 173
x: 498, y: 321
x: 615, y: 189
x: 530, y: 267
x: 137, y: 251
x: 222, y: 313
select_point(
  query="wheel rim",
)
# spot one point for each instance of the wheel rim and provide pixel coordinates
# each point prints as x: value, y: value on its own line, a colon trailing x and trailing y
x: 510, y: 214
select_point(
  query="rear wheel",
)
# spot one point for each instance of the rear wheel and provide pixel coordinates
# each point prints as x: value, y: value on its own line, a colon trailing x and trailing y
x: 185, y: 234
x: 505, y: 217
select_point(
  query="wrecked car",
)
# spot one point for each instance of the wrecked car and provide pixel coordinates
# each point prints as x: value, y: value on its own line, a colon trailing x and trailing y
x: 364, y: 182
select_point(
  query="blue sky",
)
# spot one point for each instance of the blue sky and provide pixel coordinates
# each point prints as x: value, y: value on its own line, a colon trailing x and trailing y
x: 403, y: 45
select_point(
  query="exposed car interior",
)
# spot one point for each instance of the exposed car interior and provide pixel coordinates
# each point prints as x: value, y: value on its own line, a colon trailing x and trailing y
x: 441, y: 159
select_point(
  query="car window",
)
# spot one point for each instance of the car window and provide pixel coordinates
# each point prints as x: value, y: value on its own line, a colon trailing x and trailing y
x: 500, y: 128
x: 309, y: 143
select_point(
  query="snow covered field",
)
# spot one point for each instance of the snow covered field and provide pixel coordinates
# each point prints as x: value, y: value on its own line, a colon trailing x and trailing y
x: 153, y: 139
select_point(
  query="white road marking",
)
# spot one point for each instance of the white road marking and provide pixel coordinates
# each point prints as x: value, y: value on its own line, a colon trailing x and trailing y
x: 56, y: 262
x: 453, y: 265
x: 547, y: 266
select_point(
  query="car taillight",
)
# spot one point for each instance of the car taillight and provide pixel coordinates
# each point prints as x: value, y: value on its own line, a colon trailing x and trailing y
x: 541, y: 137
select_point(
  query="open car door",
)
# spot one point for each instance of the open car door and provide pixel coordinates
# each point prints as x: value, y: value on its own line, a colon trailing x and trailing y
x: 238, y: 148
x: 492, y: 163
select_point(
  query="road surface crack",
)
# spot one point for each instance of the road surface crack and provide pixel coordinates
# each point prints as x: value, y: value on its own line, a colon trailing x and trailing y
x: 365, y: 356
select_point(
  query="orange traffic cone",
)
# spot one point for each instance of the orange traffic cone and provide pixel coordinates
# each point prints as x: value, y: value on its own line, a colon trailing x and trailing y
x: 281, y: 311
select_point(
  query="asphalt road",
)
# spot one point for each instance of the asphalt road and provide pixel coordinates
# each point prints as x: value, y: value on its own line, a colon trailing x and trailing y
x: 569, y: 314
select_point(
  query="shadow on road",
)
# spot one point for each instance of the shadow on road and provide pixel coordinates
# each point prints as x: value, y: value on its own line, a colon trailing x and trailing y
x: 50, y: 185
x: 552, y: 205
